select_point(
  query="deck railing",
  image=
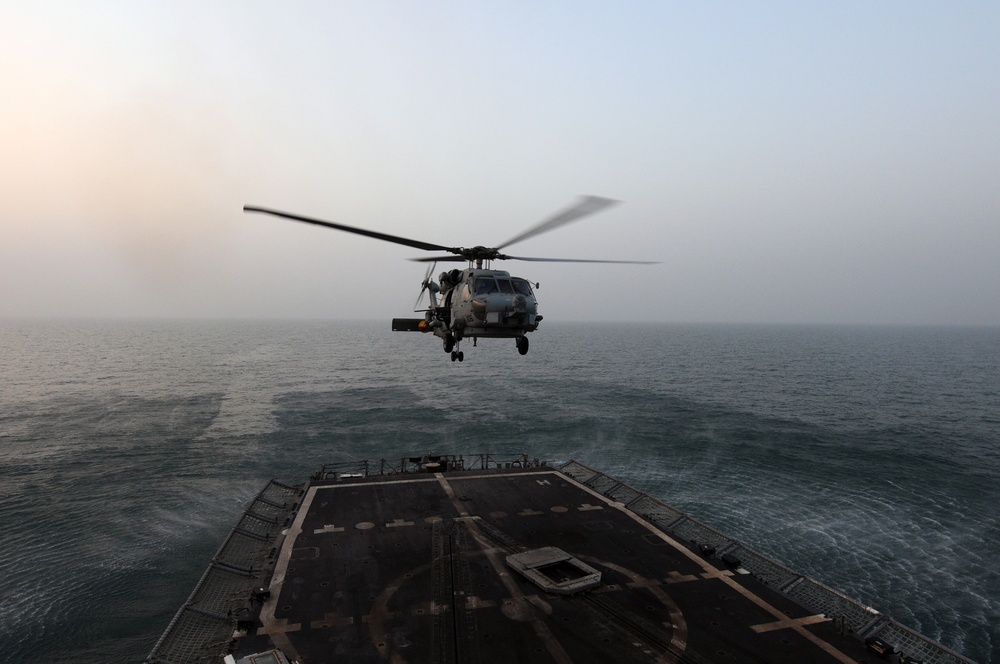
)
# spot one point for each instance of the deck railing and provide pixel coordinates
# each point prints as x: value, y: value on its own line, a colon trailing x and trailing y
x: 423, y: 464
x: 201, y: 631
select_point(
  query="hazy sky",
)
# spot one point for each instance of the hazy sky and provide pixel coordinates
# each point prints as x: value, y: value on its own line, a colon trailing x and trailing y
x: 787, y: 162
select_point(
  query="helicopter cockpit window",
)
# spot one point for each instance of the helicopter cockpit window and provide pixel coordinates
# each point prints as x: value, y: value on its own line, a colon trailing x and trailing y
x: 485, y: 286
x: 505, y: 286
x: 521, y: 286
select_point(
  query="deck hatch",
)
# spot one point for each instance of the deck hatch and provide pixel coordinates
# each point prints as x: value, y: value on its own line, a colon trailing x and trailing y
x: 555, y: 571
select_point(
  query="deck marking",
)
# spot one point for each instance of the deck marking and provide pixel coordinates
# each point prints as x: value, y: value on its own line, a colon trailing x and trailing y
x: 425, y: 478
x: 328, y: 528
x: 451, y: 494
x: 477, y: 602
x: 710, y: 569
x: 529, y: 512
x: 676, y: 577
x: 788, y: 623
x: 716, y: 574
x: 396, y: 523
x: 332, y: 620
x: 380, y: 612
x: 279, y: 627
x: 552, y: 644
x: 587, y: 506
x: 678, y: 623
x: 267, y: 619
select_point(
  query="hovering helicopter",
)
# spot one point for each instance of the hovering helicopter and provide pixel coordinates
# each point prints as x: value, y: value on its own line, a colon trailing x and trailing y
x: 477, y: 301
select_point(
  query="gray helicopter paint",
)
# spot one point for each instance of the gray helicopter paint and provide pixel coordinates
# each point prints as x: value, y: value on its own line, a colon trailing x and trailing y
x: 484, y: 303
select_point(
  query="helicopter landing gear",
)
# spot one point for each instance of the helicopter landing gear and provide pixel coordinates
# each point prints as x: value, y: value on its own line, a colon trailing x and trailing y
x: 451, y: 346
x: 522, y: 345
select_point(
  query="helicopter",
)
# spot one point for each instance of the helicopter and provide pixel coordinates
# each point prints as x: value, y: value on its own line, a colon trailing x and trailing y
x: 477, y: 301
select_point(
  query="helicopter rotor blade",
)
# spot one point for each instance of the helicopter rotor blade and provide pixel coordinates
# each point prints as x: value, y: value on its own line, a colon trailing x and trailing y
x: 423, y: 285
x: 586, y: 206
x: 576, y: 260
x: 443, y: 259
x: 417, y: 244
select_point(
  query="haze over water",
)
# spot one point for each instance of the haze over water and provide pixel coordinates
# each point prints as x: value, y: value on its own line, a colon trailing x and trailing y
x: 866, y: 457
x: 787, y: 162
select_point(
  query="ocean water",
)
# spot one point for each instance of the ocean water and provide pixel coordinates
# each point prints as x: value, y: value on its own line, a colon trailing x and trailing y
x: 868, y: 458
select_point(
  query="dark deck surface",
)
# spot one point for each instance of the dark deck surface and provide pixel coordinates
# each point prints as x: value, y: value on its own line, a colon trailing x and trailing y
x: 412, y: 568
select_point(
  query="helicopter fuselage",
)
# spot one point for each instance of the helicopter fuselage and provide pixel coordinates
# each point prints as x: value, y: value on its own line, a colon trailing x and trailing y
x: 475, y: 303
x: 486, y: 303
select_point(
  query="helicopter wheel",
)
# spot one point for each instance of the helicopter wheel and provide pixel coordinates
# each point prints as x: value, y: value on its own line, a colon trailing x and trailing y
x: 522, y: 345
x: 454, y: 356
x: 449, y: 344
x: 461, y: 356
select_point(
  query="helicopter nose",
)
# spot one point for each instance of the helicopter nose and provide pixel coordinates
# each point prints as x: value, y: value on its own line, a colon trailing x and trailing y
x: 520, y: 304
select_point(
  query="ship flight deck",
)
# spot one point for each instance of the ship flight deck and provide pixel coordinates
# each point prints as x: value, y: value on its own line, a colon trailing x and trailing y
x: 521, y: 562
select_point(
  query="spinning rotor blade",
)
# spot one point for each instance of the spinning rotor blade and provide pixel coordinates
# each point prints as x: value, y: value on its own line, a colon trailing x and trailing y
x: 588, y: 205
x: 575, y: 260
x: 443, y: 259
x: 459, y: 259
x: 423, y: 285
x: 417, y: 244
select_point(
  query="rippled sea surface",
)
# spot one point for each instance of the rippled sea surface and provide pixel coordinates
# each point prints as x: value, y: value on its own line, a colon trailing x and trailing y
x: 868, y: 458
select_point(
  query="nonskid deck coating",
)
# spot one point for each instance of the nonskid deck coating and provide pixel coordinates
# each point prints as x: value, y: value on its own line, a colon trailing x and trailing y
x: 411, y: 568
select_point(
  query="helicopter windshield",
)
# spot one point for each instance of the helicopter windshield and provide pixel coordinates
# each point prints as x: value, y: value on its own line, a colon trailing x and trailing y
x: 505, y: 286
x: 521, y: 286
x: 485, y: 286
